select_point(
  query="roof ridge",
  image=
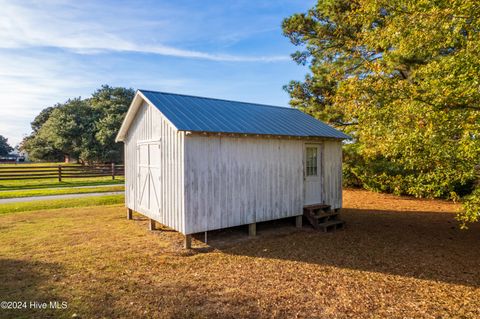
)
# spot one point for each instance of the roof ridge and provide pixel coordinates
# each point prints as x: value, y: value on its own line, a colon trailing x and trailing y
x: 216, y: 99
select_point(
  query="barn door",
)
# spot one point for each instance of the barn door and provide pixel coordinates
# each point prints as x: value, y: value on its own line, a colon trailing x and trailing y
x: 148, y: 180
x: 313, y: 174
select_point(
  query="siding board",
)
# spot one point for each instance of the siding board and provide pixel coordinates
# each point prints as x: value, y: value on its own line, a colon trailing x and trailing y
x: 255, y: 179
x: 332, y: 168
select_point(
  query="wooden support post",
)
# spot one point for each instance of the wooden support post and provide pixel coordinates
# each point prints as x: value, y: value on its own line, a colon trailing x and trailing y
x: 298, y: 221
x: 129, y: 213
x: 187, y: 243
x: 113, y: 171
x: 59, y: 173
x: 206, y: 237
x: 252, y: 229
x: 152, y: 225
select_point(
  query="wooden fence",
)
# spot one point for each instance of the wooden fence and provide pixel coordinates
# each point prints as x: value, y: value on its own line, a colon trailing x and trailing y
x: 60, y: 172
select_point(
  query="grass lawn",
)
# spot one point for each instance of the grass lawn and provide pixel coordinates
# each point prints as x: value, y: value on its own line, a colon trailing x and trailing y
x: 63, y: 191
x: 397, y: 258
x: 60, y: 203
x: 37, y: 164
x: 52, y: 182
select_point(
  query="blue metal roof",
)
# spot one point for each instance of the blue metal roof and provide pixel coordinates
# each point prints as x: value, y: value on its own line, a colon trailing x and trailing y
x: 200, y: 114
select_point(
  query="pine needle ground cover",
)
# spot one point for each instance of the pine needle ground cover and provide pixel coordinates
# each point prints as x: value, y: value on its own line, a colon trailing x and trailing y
x: 397, y: 258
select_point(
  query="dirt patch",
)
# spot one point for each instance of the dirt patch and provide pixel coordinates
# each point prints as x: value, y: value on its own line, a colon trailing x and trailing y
x: 397, y: 258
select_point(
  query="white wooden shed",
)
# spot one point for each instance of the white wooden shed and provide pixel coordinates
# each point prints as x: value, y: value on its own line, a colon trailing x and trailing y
x: 198, y: 164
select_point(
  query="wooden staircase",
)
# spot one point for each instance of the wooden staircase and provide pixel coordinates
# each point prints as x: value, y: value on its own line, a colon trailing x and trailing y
x: 322, y: 217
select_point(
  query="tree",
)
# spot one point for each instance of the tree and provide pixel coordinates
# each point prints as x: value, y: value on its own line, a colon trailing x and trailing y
x: 5, y: 148
x: 37, y: 147
x: 41, y: 118
x: 112, y: 104
x: 82, y: 129
x: 70, y: 129
x: 401, y: 77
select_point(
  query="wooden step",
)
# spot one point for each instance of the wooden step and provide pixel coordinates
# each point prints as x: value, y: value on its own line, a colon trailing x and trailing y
x: 323, y: 215
x: 316, y: 206
x: 316, y: 209
x: 331, y: 225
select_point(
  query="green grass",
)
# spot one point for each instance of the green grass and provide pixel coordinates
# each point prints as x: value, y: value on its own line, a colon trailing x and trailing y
x: 46, y: 192
x: 61, y: 203
x: 37, y: 164
x: 51, y: 183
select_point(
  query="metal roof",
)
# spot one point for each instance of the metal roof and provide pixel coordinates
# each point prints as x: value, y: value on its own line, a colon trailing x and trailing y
x: 200, y: 114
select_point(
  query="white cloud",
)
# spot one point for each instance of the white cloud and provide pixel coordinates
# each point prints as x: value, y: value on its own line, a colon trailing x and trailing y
x: 30, y: 82
x: 48, y: 47
x: 56, y: 24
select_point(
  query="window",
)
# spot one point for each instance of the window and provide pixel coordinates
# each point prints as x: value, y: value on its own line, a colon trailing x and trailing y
x: 311, y: 161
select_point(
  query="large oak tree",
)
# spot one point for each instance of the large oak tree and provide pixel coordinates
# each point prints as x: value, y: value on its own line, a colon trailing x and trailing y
x: 82, y: 129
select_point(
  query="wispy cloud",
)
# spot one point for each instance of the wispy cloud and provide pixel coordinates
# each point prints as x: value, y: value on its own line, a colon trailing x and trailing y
x: 52, y: 50
x: 54, y: 24
x: 29, y: 83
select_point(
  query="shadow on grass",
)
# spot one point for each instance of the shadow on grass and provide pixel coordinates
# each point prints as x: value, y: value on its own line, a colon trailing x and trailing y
x: 24, y: 281
x: 422, y: 245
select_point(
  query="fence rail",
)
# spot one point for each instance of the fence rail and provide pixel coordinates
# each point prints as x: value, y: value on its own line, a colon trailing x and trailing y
x: 60, y: 171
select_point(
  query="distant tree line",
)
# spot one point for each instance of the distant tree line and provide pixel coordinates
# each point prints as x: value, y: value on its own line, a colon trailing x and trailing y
x: 402, y: 78
x: 82, y: 130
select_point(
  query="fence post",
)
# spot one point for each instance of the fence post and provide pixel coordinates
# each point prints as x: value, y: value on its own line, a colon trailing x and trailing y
x: 59, y: 173
x: 113, y: 171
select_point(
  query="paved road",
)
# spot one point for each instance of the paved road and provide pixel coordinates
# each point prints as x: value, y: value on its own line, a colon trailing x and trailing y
x: 66, y: 196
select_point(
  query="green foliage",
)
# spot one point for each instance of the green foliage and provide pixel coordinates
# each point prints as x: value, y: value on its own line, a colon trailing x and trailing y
x: 402, y: 78
x: 5, y: 148
x: 471, y: 205
x: 69, y: 128
x: 37, y: 147
x: 111, y: 104
x: 41, y: 118
x: 82, y: 129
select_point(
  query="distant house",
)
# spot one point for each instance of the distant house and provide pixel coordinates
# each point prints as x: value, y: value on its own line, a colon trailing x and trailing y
x: 15, y: 156
x: 8, y: 158
x: 23, y: 156
x: 198, y: 164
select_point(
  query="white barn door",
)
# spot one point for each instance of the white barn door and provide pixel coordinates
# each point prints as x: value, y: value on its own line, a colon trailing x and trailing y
x: 148, y: 190
x: 313, y: 187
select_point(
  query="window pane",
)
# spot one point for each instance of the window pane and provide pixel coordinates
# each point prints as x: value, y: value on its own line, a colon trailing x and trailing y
x: 311, y: 161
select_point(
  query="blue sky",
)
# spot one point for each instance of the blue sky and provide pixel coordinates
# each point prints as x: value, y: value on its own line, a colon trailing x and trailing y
x: 53, y: 50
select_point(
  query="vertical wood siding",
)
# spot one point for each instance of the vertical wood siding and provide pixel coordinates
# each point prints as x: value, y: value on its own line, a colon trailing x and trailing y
x: 235, y: 181
x: 332, y: 173
x: 151, y: 125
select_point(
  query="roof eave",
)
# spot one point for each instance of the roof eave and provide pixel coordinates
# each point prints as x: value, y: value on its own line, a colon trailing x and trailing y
x: 345, y: 137
x: 129, y: 117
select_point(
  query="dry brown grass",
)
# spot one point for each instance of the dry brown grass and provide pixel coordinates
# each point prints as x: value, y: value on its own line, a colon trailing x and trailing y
x: 397, y: 258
